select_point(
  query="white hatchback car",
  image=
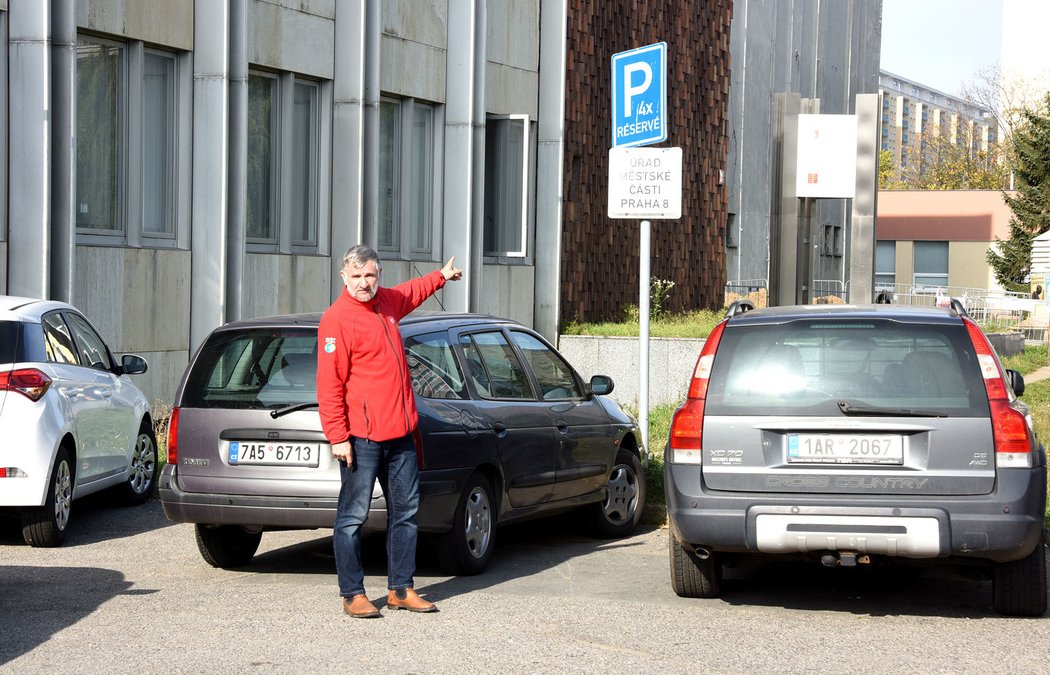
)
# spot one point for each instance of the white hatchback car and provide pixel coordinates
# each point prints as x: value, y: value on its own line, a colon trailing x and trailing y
x: 70, y: 423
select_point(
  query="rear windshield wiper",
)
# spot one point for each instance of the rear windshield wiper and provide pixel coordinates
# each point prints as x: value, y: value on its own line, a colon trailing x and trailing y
x: 281, y: 412
x: 848, y: 408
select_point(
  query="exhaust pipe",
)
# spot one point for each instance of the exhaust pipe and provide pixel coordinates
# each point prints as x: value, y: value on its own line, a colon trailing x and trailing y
x: 702, y: 552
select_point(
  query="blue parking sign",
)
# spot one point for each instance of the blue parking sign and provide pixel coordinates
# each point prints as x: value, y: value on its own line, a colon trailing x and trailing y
x: 639, y: 96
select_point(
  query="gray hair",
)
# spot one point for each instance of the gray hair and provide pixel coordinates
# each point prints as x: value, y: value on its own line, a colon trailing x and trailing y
x: 359, y: 255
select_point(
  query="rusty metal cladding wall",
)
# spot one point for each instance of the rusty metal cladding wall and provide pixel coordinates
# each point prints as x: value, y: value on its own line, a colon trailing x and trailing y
x: 600, y: 256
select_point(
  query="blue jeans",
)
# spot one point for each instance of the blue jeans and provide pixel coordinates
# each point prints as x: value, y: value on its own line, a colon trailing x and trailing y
x: 393, y: 462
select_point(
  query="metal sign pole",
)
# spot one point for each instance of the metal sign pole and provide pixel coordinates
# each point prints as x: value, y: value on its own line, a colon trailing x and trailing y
x: 643, y: 333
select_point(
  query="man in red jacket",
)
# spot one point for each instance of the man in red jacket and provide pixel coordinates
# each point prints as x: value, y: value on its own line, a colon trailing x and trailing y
x: 368, y: 413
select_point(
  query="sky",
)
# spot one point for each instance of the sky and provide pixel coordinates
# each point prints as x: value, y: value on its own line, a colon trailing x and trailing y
x: 941, y: 43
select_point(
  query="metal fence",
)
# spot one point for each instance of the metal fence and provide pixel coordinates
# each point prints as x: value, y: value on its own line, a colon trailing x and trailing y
x: 996, y: 311
x: 754, y: 290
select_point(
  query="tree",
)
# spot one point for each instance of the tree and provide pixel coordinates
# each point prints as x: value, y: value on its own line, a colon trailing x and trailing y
x: 937, y: 162
x: 1030, y: 145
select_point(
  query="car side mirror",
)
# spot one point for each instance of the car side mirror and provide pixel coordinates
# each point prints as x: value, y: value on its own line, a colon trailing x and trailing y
x: 600, y: 385
x: 132, y: 364
x: 1016, y: 381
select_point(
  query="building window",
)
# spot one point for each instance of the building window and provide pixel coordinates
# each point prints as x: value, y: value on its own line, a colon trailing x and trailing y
x: 931, y: 264
x: 262, y: 160
x: 885, y: 265
x: 304, y: 164
x: 406, y: 178
x: 284, y: 171
x: 158, y: 140
x: 507, y: 153
x: 833, y: 240
x: 132, y: 107
x: 100, y: 72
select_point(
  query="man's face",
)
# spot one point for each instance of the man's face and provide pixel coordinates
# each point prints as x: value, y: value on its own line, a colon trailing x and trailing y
x: 362, y: 281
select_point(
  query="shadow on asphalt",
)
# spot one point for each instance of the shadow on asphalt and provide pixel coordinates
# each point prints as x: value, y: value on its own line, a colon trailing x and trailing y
x: 103, y: 516
x: 38, y: 602
x: 521, y: 550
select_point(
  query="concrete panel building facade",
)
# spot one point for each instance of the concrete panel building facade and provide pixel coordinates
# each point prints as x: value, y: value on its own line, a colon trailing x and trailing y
x: 817, y: 50
x: 184, y: 163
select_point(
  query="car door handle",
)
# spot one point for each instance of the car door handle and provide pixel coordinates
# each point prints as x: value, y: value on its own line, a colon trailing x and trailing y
x: 563, y: 426
x: 71, y: 392
x: 106, y: 393
x: 500, y: 428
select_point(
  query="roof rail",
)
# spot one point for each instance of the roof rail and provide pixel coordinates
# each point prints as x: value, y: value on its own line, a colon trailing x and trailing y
x: 959, y: 307
x: 739, y: 307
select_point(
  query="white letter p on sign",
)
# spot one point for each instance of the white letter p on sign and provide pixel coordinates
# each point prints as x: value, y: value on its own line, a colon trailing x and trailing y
x: 630, y: 90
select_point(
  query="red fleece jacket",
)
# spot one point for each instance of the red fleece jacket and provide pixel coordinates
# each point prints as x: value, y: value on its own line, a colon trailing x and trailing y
x: 363, y: 387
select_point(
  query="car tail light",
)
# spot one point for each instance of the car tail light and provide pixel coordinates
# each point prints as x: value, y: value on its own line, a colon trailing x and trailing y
x: 28, y: 382
x: 173, y: 437
x: 1011, y: 431
x: 417, y: 438
x: 687, y: 425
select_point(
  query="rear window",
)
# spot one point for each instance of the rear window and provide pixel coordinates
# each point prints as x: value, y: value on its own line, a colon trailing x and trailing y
x: 263, y: 368
x: 9, y: 331
x: 808, y: 367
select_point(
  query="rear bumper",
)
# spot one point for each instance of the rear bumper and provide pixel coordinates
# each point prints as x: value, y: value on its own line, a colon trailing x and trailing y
x: 1002, y: 526
x: 439, y: 495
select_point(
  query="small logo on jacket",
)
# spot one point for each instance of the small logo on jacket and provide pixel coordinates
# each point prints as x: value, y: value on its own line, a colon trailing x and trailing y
x: 329, y: 345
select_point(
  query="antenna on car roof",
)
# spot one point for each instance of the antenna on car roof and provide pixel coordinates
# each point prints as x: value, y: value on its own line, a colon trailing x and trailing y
x: 739, y: 307
x: 959, y: 307
x: 436, y: 298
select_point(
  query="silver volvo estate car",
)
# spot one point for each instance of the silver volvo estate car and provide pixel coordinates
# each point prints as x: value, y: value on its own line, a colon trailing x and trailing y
x: 856, y: 435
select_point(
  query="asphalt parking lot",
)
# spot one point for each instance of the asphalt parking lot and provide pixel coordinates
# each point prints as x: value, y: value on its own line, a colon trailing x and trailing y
x: 128, y: 593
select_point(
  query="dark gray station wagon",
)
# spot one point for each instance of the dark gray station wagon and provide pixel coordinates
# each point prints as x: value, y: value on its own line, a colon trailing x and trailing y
x: 851, y: 435
x: 507, y: 431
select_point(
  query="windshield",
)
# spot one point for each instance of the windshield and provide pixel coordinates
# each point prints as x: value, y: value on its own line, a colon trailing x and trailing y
x: 261, y: 368
x: 810, y: 367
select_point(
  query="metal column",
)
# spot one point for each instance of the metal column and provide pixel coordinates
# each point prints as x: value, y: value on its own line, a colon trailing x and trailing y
x: 211, y: 111
x: 459, y: 152
x: 862, y: 228
x: 348, y: 124
x: 29, y: 137
x: 63, y: 149
x: 550, y: 167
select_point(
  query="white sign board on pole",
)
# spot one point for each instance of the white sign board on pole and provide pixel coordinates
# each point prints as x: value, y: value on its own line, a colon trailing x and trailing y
x: 645, y: 183
x: 827, y: 156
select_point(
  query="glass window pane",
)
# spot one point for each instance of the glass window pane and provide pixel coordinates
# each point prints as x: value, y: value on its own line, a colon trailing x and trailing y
x: 552, y: 373
x: 931, y: 263
x: 420, y: 180
x: 432, y: 367
x: 388, y: 233
x: 262, y: 169
x: 885, y: 257
x: 99, y: 79
x: 931, y: 257
x: 504, y: 157
x: 158, y: 151
x: 58, y: 343
x: 506, y: 377
x: 92, y: 349
x: 304, y: 150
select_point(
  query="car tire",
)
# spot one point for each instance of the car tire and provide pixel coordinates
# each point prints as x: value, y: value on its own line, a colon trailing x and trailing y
x: 45, y: 526
x: 620, y: 512
x: 691, y: 575
x: 467, y: 547
x: 227, y: 546
x: 143, y: 469
x: 1019, y: 586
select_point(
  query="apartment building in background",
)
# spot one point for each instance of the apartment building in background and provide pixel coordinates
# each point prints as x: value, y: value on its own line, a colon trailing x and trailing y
x: 915, y: 118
